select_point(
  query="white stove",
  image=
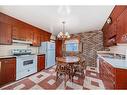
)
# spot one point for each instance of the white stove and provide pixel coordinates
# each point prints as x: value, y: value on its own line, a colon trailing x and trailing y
x: 26, y: 63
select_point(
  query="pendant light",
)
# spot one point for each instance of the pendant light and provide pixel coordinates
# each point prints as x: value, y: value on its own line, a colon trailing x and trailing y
x: 63, y: 35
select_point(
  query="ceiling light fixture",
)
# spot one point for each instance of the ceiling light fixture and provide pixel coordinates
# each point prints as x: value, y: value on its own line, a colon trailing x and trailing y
x: 63, y: 35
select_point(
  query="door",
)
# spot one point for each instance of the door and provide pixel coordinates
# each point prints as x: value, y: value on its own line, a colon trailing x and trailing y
x: 50, y: 57
x: 58, y: 48
x: 5, y: 33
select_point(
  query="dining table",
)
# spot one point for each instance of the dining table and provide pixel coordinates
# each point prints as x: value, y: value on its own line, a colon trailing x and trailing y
x: 68, y: 59
x: 65, y: 62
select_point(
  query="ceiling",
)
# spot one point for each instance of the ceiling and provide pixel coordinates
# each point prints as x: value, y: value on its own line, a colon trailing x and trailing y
x: 78, y: 18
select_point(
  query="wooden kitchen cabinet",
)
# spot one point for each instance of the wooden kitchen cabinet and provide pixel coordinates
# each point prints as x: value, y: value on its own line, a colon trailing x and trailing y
x: 41, y: 62
x: 29, y: 34
x: 7, y: 70
x: 117, y: 11
x: 19, y: 32
x: 36, y: 38
x: 42, y: 36
x: 113, y: 78
x: 5, y: 33
x: 121, y: 28
x: 112, y: 30
x: 107, y: 74
x: 116, y: 32
x: 47, y: 36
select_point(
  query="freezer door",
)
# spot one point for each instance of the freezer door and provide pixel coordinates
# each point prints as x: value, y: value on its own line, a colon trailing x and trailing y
x: 50, y: 45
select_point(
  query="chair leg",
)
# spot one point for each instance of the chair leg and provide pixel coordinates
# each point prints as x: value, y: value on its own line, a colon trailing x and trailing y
x: 65, y: 80
x: 56, y: 76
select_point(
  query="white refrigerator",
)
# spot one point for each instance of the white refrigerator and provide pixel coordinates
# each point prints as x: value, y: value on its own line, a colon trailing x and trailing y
x: 48, y: 48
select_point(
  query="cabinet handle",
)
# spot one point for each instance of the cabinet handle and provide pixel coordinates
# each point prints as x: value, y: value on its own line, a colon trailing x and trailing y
x: 0, y: 65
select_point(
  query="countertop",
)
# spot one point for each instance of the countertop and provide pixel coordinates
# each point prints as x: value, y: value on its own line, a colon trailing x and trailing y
x: 11, y: 56
x: 115, y: 62
x: 7, y: 56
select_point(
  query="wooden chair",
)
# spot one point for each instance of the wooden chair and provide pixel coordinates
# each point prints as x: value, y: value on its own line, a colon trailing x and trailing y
x: 63, y: 69
x: 80, y: 66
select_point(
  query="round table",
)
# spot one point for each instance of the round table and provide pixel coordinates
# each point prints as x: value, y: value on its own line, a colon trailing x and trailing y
x: 68, y: 59
x: 65, y: 65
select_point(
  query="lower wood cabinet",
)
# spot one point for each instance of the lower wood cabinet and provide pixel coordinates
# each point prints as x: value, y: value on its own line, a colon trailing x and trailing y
x: 41, y: 62
x: 113, y: 78
x: 7, y: 70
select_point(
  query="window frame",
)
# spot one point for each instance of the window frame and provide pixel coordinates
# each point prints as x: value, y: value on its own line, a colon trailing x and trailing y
x: 76, y: 43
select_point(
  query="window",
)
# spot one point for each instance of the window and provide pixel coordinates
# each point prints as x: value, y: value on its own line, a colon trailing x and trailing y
x: 72, y: 45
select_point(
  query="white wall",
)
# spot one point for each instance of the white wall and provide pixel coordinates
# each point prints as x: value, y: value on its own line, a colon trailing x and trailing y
x: 6, y: 49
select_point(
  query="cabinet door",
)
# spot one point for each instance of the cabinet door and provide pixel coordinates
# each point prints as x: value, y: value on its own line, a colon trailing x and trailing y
x: 19, y: 32
x: 121, y: 78
x: 8, y: 70
x: 107, y: 74
x: 5, y: 33
x: 121, y: 28
x: 42, y: 36
x: 29, y: 34
x: 36, y: 38
x: 105, y: 35
x: 47, y: 36
x: 41, y: 62
x: 112, y: 29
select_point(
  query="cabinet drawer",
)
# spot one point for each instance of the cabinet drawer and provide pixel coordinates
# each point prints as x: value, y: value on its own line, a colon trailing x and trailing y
x: 25, y: 73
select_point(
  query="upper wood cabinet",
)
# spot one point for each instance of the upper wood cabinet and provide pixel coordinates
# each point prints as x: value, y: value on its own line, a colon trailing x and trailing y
x: 19, y: 30
x: 36, y: 37
x: 118, y: 9
x: 45, y: 36
x: 116, y: 32
x: 122, y: 28
x: 5, y: 33
x: 112, y: 30
x: 7, y: 70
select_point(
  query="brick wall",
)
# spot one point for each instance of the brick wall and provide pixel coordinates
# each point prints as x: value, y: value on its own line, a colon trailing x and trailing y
x: 91, y: 42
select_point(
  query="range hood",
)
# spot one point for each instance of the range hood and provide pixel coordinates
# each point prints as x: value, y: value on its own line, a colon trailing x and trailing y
x: 22, y: 42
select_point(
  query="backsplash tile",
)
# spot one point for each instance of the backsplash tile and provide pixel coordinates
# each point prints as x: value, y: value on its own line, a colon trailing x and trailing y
x: 6, y: 49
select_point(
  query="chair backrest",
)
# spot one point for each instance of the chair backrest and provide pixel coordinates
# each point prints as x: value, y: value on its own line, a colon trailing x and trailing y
x: 82, y: 62
x: 71, y: 54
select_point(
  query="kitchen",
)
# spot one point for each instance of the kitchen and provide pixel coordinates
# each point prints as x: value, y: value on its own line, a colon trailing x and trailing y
x: 29, y: 54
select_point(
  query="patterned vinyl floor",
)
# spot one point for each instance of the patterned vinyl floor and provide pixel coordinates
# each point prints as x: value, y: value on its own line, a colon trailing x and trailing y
x: 46, y: 80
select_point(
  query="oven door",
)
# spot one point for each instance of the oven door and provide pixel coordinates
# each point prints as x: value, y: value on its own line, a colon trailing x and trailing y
x: 25, y: 63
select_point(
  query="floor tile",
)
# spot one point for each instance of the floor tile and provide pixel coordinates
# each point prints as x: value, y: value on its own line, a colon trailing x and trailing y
x: 46, y: 80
